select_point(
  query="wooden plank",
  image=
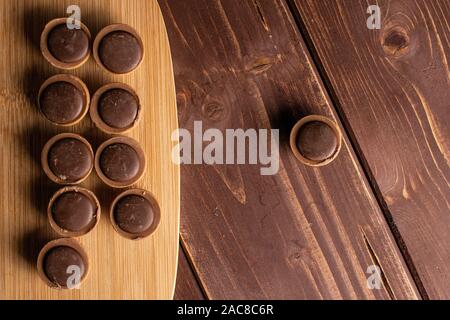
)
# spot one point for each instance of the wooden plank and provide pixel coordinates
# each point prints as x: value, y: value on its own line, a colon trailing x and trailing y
x: 306, y: 233
x: 187, y: 287
x: 393, y: 87
x: 120, y: 268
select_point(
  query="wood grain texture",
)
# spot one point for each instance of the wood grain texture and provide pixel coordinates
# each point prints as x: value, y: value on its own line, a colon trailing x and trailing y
x: 305, y: 233
x: 187, y: 287
x: 393, y: 87
x: 119, y: 268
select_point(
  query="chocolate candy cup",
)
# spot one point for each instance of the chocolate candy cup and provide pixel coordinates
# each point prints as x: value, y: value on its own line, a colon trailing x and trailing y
x: 64, y: 100
x: 120, y: 162
x: 115, y: 108
x: 118, y: 48
x: 73, y: 211
x: 67, y: 159
x: 316, y: 140
x: 61, y: 261
x: 135, y: 214
x: 64, y: 48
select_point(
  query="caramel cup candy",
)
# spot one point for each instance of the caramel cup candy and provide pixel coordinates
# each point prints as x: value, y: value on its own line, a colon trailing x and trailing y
x: 63, y: 264
x: 67, y: 158
x: 120, y: 162
x: 135, y: 214
x: 64, y: 100
x: 115, y: 108
x: 65, y: 48
x: 118, y: 48
x: 316, y: 140
x: 73, y: 211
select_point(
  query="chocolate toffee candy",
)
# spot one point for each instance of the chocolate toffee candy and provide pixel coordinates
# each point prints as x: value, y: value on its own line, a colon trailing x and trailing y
x: 115, y: 108
x: 73, y: 211
x: 135, y: 214
x: 120, y: 52
x: 64, y: 47
x: 315, y: 140
x: 62, y: 102
x: 118, y: 108
x: 63, y: 99
x: 68, y: 45
x: 63, y: 264
x: 118, y: 48
x: 57, y: 263
x: 120, y: 162
x: 67, y: 159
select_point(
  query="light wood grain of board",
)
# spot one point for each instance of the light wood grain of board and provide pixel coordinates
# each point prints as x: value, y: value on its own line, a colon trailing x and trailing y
x: 120, y: 269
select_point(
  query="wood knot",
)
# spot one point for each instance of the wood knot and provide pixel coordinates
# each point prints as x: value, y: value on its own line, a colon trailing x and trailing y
x: 396, y: 42
x: 214, y: 111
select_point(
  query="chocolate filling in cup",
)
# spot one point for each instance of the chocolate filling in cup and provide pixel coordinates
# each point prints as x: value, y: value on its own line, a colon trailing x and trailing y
x: 120, y: 162
x: 73, y: 211
x: 115, y: 108
x: 63, y: 264
x: 118, y: 48
x: 67, y: 159
x: 316, y: 140
x: 135, y: 214
x: 64, y: 99
x: 63, y: 47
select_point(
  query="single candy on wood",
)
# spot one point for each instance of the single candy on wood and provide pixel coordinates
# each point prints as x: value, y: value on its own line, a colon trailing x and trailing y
x: 120, y: 52
x: 118, y: 108
x: 67, y: 158
x: 134, y: 214
x: 64, y: 99
x: 74, y: 211
x: 63, y: 263
x: 70, y: 159
x: 115, y: 108
x: 120, y: 162
x: 317, y: 141
x: 64, y: 47
x: 118, y: 48
x: 68, y: 45
x: 62, y: 102
x: 60, y: 263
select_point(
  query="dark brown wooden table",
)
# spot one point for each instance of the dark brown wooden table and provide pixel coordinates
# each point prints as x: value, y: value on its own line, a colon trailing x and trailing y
x: 311, y: 233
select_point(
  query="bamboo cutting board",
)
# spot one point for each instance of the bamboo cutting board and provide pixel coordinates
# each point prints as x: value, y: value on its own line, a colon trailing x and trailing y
x: 119, y: 268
